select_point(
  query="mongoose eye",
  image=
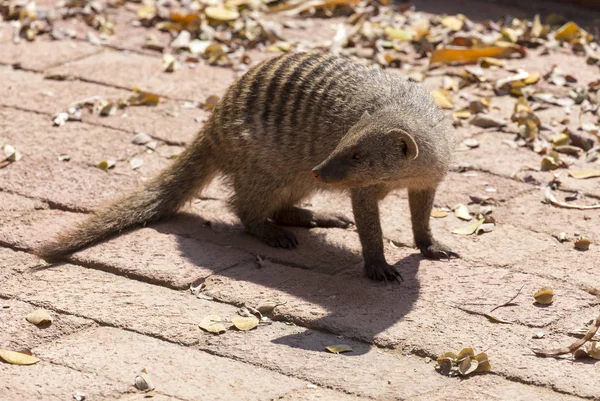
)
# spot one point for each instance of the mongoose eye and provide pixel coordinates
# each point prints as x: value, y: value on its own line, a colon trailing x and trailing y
x: 355, y: 155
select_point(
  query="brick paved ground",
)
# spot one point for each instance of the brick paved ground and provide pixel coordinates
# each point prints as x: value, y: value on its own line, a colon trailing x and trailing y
x: 123, y: 305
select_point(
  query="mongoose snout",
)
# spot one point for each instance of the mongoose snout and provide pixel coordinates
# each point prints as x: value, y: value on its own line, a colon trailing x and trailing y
x: 355, y: 128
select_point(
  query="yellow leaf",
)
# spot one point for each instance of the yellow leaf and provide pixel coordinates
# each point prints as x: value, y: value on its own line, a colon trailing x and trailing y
x: 106, y: 165
x: 445, y: 365
x: 544, y: 296
x: 443, y: 98
x: 146, y: 11
x: 567, y: 32
x: 491, y: 61
x: 405, y: 35
x: 468, y: 229
x: 459, y: 55
x: 336, y: 349
x: 594, y: 350
x: 536, y: 29
x: 484, y: 363
x: 212, y: 324
x: 142, y: 98
x: 245, y: 323
x: 583, y: 174
x: 454, y: 23
x: 438, y: 214
x: 465, y: 352
x: 17, y: 358
x: 462, y: 114
x: 221, y: 13
x: 39, y: 316
x: 421, y: 28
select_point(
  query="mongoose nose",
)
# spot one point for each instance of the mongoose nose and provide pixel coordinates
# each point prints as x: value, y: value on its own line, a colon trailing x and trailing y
x: 315, y: 174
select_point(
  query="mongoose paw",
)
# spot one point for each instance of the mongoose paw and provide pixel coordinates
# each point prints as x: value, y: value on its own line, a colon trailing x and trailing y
x: 438, y: 251
x: 278, y: 237
x: 382, y: 272
x: 331, y: 220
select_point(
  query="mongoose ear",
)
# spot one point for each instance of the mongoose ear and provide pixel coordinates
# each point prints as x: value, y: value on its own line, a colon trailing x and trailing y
x: 412, y: 149
x: 365, y: 115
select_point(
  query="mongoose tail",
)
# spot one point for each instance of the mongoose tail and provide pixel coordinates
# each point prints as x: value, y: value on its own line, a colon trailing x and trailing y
x: 163, y: 195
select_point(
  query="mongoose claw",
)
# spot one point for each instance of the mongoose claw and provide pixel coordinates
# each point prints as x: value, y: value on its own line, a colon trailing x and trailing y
x: 383, y: 272
x: 438, y: 251
x: 278, y: 237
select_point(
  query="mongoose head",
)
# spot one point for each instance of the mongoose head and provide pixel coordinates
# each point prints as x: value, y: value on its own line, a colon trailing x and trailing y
x: 387, y: 149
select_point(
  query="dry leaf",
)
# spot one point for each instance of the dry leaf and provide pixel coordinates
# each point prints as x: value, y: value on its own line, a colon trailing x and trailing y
x: 143, y: 381
x: 11, y: 154
x: 405, y: 35
x: 487, y: 121
x: 465, y: 352
x: 462, y: 212
x: 544, y: 296
x: 142, y: 98
x: 106, y: 165
x: 169, y: 63
x: 583, y: 174
x: 136, y: 162
x: 211, y: 102
x: 39, y: 316
x: 459, y: 55
x: 469, y: 229
x: 467, y: 366
x: 443, y: 98
x: 336, y: 349
x: 454, y: 23
x: 462, y: 114
x: 221, y: 13
x: 268, y: 307
x: 551, y: 199
x: 484, y: 363
x: 212, y: 324
x: 245, y: 323
x: 17, y: 358
x: 582, y: 243
x: 141, y: 138
x: 438, y: 214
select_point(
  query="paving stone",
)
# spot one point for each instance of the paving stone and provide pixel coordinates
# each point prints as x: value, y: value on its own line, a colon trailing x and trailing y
x: 35, y: 137
x: 413, y: 316
x: 49, y: 381
x: 158, y: 258
x: 18, y: 334
x: 15, y: 262
x: 97, y: 295
x: 563, y: 262
x: 66, y: 185
x: 120, y: 355
x: 291, y: 350
x: 14, y: 206
x: 169, y: 120
x: 494, y: 388
x: 44, y: 53
x: 529, y: 212
x: 146, y: 73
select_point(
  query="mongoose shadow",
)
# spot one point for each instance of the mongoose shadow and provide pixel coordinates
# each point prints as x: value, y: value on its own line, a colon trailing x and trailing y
x: 357, y: 307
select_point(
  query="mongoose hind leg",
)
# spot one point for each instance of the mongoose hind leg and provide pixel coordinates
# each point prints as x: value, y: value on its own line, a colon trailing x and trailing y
x: 421, y: 203
x: 254, y: 202
x: 366, y: 214
x: 296, y: 216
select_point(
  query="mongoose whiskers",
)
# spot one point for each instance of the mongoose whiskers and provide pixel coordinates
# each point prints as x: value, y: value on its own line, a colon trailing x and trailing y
x: 292, y: 126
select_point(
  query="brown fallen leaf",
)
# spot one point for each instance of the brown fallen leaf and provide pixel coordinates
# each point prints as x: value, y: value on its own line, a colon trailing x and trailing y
x: 544, y: 296
x: 487, y: 121
x: 582, y: 243
x: 438, y: 214
x: 443, y: 98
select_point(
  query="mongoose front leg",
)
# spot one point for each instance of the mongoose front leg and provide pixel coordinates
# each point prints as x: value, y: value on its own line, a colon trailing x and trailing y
x: 366, y: 215
x: 421, y: 203
x: 296, y: 216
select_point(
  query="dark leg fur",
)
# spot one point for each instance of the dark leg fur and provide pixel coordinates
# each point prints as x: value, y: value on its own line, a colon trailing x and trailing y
x: 295, y: 216
x: 366, y: 214
x: 421, y: 203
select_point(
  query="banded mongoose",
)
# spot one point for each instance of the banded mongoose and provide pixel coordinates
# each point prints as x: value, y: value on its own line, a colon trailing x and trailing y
x: 292, y: 126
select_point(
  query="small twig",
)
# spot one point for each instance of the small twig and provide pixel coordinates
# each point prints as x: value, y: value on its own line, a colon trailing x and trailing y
x: 551, y: 199
x: 509, y: 302
x: 573, y: 347
x: 489, y: 317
